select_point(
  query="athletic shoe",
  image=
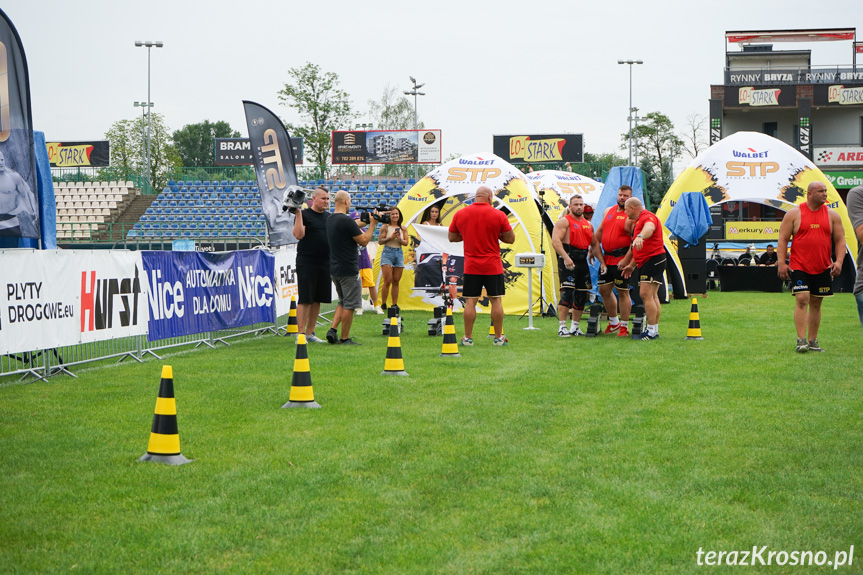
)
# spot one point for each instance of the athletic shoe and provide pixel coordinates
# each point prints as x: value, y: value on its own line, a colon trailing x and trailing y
x: 623, y: 331
x: 468, y: 341
x: 314, y: 339
x: 576, y: 332
x: 563, y: 332
x: 348, y: 341
x: 802, y: 345
x: 813, y: 345
x: 645, y: 336
x: 613, y: 328
x: 379, y: 311
x: 384, y: 306
x: 358, y: 311
x: 500, y: 342
x: 332, y: 336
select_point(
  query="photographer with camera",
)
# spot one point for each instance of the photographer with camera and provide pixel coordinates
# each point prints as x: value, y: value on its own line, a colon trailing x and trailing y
x: 313, y: 262
x: 344, y: 236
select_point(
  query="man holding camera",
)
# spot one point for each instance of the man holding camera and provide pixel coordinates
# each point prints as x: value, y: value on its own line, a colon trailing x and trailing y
x: 313, y: 262
x: 344, y: 236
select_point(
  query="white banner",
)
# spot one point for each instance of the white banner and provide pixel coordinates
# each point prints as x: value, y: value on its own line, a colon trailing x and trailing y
x: 286, y: 278
x: 58, y: 298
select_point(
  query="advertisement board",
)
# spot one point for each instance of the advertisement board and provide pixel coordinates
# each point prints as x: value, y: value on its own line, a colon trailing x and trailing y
x: 96, y: 154
x: 387, y: 147
x: 542, y: 149
x: 238, y: 151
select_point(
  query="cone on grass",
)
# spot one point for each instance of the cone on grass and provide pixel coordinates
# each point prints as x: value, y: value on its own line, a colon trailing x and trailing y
x: 394, y: 364
x: 164, y: 445
x: 302, y: 394
x: 491, y: 329
x: 450, y: 343
x: 292, y: 318
x: 694, y: 331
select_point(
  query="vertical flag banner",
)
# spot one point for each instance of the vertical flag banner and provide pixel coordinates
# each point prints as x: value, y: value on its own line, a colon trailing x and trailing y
x: 19, y: 210
x: 274, y: 165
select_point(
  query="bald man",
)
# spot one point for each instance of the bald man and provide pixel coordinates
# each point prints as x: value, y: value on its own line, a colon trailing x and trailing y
x: 648, y: 255
x: 816, y: 230
x: 344, y: 235
x: 481, y: 228
x: 314, y: 286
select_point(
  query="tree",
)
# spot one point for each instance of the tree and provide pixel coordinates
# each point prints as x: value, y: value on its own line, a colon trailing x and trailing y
x: 658, y: 147
x: 694, y: 141
x: 195, y: 142
x: 321, y: 104
x: 392, y: 112
x: 128, y: 148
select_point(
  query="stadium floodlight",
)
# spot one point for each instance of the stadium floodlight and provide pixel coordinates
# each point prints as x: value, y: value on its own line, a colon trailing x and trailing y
x: 630, y: 63
x: 415, y: 92
x: 148, y: 44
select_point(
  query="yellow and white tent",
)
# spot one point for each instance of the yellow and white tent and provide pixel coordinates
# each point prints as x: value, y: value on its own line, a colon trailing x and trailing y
x: 449, y: 187
x: 557, y: 187
x: 754, y: 167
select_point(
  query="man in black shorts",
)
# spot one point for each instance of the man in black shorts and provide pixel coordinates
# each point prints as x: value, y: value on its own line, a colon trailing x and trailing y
x: 313, y: 263
x: 615, y: 235
x: 344, y: 236
x: 573, y: 240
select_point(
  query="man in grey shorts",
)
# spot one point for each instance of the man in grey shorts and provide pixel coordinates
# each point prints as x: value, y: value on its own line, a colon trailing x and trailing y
x: 344, y: 237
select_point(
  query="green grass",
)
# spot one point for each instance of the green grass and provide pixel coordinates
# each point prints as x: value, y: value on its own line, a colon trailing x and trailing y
x: 549, y: 456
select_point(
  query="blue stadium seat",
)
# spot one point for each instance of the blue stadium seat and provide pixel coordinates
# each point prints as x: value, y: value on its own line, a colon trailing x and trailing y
x: 223, y: 183
x: 171, y: 182
x: 411, y: 181
x: 217, y: 203
x: 197, y: 182
x: 205, y: 183
x: 400, y: 188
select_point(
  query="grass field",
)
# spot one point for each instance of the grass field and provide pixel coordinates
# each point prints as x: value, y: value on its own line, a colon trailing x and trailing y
x: 551, y: 455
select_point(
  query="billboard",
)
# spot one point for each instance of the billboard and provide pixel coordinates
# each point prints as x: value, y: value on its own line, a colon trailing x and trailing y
x: 387, y: 147
x: 238, y: 151
x: 77, y: 154
x: 543, y: 149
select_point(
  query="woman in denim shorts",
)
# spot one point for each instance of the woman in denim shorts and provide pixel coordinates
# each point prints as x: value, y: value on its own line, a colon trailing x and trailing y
x: 393, y: 237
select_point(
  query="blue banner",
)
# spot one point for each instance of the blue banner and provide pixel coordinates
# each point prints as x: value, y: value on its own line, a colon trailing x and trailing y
x: 195, y: 292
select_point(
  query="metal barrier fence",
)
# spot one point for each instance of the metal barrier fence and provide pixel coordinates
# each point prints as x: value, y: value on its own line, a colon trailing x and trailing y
x: 42, y: 364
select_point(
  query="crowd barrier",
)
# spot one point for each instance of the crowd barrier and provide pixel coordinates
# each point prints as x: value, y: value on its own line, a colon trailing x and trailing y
x: 66, y: 308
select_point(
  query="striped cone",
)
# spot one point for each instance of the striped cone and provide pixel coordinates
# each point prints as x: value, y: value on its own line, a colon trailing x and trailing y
x: 302, y: 394
x: 394, y: 364
x: 694, y: 331
x: 450, y: 343
x: 164, y: 445
x: 292, y: 318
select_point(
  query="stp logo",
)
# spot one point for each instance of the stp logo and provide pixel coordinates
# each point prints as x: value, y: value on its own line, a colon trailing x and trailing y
x: 472, y: 174
x: 753, y: 169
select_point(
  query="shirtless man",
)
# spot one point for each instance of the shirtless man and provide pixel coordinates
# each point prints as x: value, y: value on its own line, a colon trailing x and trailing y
x: 17, y: 212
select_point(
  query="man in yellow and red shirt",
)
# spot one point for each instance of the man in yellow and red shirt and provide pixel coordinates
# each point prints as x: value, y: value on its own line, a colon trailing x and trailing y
x: 816, y: 231
x: 574, y: 241
x: 615, y: 235
x: 648, y: 255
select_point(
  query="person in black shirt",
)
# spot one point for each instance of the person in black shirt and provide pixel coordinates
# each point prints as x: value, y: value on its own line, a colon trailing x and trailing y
x: 344, y: 237
x: 768, y: 258
x: 313, y: 263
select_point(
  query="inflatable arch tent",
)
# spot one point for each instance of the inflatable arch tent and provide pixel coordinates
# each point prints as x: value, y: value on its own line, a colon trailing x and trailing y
x: 564, y: 185
x: 451, y: 186
x: 754, y: 167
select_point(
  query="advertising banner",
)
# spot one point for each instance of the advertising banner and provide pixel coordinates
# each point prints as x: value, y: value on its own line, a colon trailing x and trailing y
x: 19, y: 204
x: 285, y: 279
x: 848, y: 179
x: 274, y: 166
x: 238, y: 151
x: 387, y: 147
x: 751, y: 231
x: 757, y: 96
x: 193, y: 292
x: 542, y: 149
x: 839, y: 156
x: 76, y: 154
x: 838, y: 95
x: 52, y: 299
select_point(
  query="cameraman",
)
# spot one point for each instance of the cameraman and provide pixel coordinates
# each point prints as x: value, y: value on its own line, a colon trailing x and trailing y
x: 313, y: 263
x: 344, y: 236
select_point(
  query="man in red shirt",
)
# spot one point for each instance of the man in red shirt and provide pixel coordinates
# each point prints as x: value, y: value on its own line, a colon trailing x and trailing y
x: 816, y: 230
x: 574, y: 242
x: 648, y: 254
x: 615, y: 234
x: 481, y: 227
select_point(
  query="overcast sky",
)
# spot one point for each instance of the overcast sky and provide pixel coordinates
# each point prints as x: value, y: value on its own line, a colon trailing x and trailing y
x: 488, y: 67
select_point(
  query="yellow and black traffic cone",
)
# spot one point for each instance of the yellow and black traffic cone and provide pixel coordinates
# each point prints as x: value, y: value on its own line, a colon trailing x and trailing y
x: 450, y: 343
x: 694, y: 331
x: 292, y: 318
x: 164, y: 445
x: 394, y: 364
x: 302, y: 394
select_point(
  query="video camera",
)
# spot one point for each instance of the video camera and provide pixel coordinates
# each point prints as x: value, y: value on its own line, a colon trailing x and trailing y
x: 382, y: 213
x: 294, y: 198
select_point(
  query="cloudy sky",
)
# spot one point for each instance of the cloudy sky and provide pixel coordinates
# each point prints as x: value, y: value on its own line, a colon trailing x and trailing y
x: 489, y: 67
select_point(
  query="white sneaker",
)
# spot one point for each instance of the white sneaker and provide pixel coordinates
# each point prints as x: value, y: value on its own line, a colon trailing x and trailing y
x: 379, y: 311
x: 576, y: 332
x: 563, y: 332
x: 358, y: 311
